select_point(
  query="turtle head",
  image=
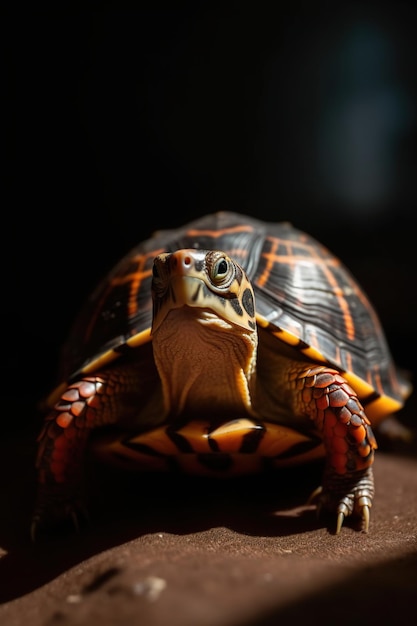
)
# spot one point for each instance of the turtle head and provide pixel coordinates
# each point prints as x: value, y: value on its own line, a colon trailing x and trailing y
x: 204, y: 331
x: 207, y: 280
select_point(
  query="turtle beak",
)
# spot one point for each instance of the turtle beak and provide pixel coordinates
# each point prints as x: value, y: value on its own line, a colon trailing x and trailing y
x: 176, y: 282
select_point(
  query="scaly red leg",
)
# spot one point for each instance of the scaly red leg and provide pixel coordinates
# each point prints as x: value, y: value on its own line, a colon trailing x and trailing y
x: 348, y: 486
x: 87, y: 403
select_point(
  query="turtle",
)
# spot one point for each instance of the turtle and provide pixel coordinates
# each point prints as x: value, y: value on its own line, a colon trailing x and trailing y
x: 226, y: 346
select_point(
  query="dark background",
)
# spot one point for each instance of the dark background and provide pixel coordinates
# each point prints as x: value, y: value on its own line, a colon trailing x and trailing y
x: 120, y: 122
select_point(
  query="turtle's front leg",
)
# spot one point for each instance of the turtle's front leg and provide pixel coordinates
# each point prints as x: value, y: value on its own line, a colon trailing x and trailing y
x: 348, y: 485
x: 86, y: 404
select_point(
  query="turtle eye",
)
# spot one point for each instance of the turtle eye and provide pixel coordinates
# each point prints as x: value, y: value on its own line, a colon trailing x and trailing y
x: 221, y: 270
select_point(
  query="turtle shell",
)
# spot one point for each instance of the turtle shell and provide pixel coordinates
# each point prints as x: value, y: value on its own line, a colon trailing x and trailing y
x: 304, y: 296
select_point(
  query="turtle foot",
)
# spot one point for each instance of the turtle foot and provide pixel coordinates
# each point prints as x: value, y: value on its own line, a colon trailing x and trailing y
x: 348, y: 495
x: 56, y: 512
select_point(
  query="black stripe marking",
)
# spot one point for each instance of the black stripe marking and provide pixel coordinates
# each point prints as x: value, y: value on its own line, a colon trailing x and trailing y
x: 369, y: 399
x: 142, y: 448
x: 180, y: 441
x: 195, y: 295
x: 236, y: 306
x: 171, y: 294
x: 248, y: 303
x: 252, y: 439
x: 123, y: 348
x: 213, y: 444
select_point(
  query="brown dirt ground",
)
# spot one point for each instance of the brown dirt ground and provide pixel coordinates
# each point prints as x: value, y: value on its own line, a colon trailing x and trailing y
x: 186, y: 551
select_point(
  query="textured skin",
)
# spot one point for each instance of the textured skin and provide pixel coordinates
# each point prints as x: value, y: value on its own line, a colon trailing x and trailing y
x: 348, y: 485
x: 339, y: 416
x: 86, y: 404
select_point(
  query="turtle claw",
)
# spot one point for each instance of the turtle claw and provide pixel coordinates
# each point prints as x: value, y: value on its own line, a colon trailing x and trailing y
x: 75, y: 523
x: 345, y: 496
x: 34, y: 527
x: 314, y: 497
x: 363, y: 511
x: 340, y: 520
x: 54, y: 511
x: 75, y: 517
x: 79, y: 516
x: 365, y: 517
